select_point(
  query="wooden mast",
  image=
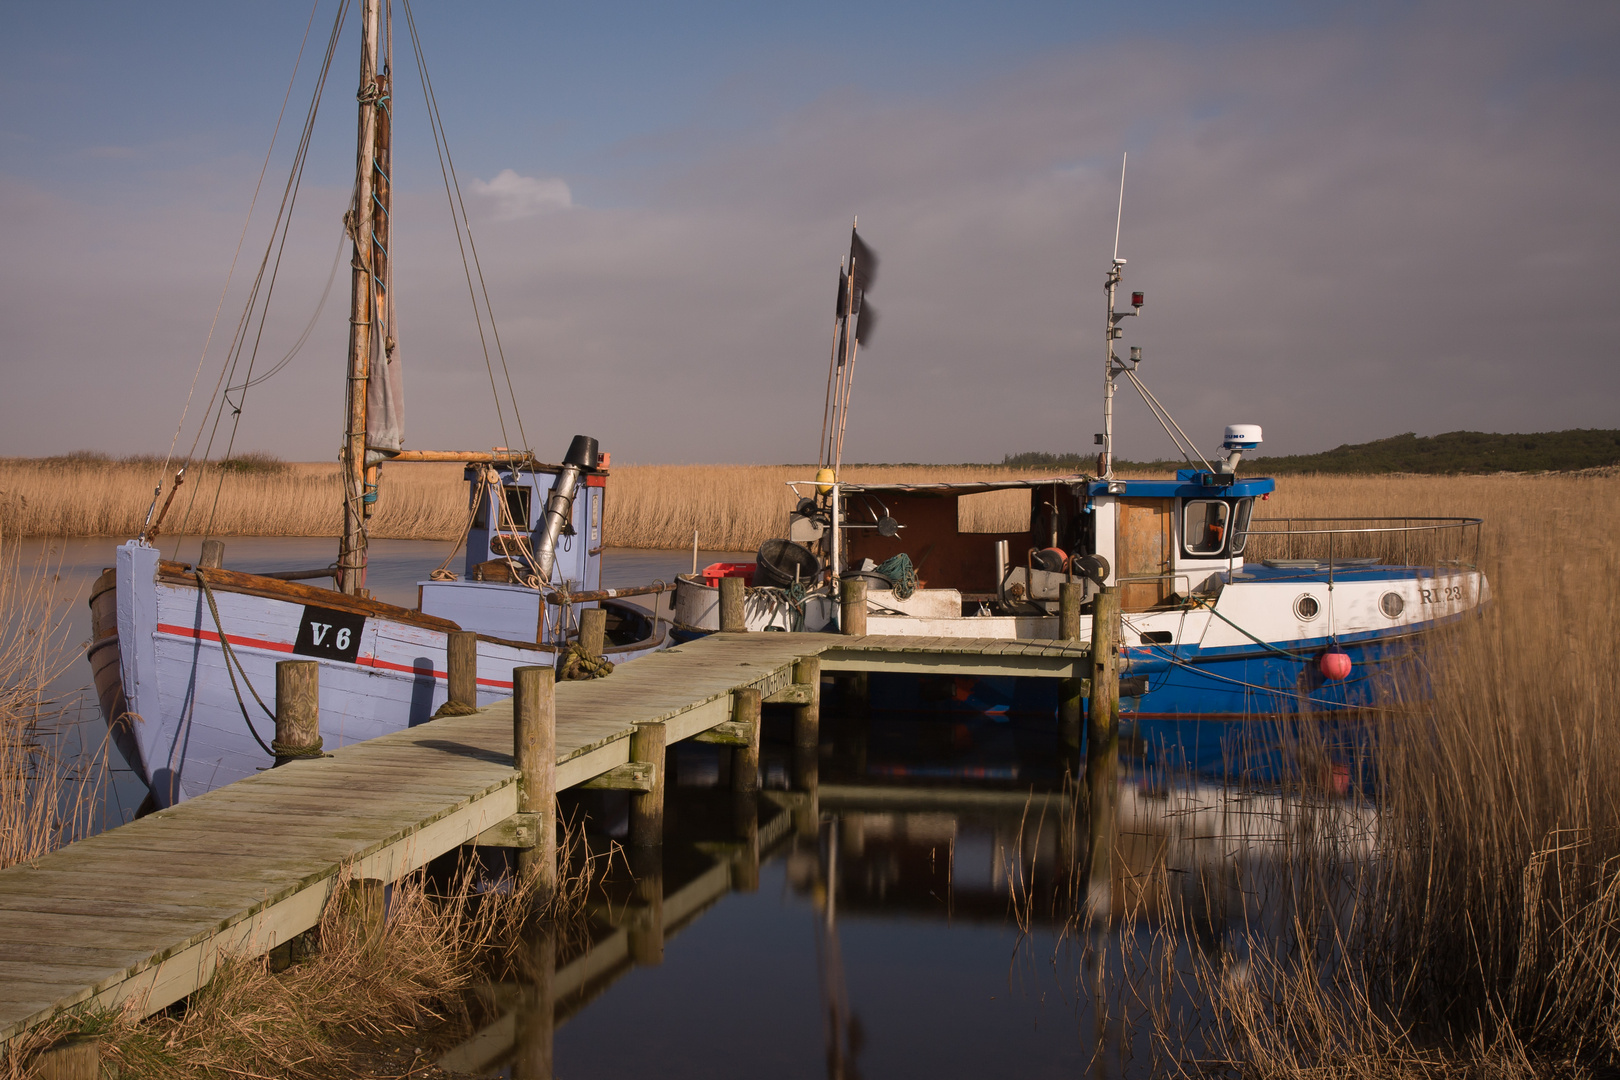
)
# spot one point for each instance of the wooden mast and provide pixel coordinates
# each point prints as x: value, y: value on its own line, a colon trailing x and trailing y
x: 352, y: 551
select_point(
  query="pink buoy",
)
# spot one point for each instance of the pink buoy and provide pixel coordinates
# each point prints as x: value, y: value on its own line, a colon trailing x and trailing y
x: 1334, y: 664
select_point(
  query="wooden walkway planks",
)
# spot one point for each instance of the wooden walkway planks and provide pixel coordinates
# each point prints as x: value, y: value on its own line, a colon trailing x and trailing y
x: 144, y: 911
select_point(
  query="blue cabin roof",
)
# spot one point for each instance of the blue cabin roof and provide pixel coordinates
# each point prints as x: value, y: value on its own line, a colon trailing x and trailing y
x: 1189, y: 484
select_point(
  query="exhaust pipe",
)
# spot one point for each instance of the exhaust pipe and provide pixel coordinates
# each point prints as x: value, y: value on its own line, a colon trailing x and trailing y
x: 582, y: 454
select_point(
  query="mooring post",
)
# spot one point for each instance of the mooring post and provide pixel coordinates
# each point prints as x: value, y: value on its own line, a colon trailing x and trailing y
x: 534, y: 752
x: 1102, y: 750
x: 733, y: 615
x: 461, y: 661
x: 213, y: 555
x: 807, y: 716
x: 298, y: 714
x: 593, y: 631
x: 1070, y: 594
x: 852, y: 606
x: 647, y: 807
x: 71, y: 1059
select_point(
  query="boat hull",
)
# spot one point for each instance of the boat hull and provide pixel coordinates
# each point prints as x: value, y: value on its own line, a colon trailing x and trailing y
x: 193, y: 727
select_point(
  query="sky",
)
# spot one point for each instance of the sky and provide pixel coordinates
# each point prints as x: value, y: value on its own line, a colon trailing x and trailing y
x: 1350, y: 221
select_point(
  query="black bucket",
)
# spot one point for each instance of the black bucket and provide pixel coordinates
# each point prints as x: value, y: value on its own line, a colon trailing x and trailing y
x: 779, y: 560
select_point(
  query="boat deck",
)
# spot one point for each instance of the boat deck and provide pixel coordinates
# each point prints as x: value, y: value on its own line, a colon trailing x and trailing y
x: 144, y: 911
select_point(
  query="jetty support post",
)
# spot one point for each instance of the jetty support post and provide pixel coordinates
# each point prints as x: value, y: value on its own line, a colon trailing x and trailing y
x: 745, y: 714
x: 593, y: 631
x: 461, y: 662
x: 855, y: 691
x: 1070, y: 697
x: 534, y: 751
x: 807, y: 725
x: 298, y: 720
x: 852, y: 606
x: 1102, y: 751
x: 647, y: 807
x: 733, y: 613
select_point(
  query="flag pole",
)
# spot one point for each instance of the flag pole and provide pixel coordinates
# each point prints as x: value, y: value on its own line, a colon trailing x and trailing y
x: 832, y: 367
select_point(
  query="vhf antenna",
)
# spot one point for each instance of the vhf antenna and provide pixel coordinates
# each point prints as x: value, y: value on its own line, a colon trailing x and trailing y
x: 1120, y: 216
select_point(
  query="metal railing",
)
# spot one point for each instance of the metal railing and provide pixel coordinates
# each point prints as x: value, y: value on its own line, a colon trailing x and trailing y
x: 1402, y: 541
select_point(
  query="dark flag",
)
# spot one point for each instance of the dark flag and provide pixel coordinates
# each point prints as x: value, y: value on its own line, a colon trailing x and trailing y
x: 843, y: 293
x: 864, y: 264
x: 866, y: 323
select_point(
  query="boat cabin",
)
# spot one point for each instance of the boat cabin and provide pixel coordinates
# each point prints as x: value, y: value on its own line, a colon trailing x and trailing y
x: 496, y: 594
x: 1163, y: 540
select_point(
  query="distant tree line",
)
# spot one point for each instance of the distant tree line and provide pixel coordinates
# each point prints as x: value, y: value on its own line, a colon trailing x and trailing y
x: 1452, y: 453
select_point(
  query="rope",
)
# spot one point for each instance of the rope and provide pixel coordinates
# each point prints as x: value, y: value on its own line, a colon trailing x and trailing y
x: 454, y: 708
x: 900, y: 571
x: 282, y: 750
x: 579, y: 664
x: 230, y: 659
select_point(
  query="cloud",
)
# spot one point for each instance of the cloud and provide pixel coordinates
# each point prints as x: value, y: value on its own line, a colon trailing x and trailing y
x: 513, y: 197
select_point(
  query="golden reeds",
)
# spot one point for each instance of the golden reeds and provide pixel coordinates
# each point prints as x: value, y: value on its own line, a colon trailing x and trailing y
x: 46, y: 799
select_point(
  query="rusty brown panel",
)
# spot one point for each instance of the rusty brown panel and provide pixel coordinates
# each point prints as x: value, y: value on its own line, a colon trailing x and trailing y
x: 944, y: 558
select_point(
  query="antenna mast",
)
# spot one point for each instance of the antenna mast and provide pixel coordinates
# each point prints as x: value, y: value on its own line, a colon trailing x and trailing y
x: 1111, y: 366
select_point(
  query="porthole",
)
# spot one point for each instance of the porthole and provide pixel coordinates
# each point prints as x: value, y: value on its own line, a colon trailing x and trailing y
x: 1392, y: 604
x: 1307, y: 607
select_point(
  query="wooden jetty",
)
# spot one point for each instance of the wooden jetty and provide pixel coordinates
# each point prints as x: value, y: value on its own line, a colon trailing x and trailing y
x: 142, y: 913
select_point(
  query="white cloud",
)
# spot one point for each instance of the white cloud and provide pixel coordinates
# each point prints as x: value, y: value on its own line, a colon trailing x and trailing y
x: 514, y: 197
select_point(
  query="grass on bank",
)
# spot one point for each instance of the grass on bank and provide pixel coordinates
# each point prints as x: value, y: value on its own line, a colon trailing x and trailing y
x: 362, y: 990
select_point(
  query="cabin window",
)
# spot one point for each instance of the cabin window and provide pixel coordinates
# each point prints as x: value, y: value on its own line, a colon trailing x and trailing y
x: 1240, y: 524
x: 1005, y: 511
x: 517, y: 508
x: 1204, y: 526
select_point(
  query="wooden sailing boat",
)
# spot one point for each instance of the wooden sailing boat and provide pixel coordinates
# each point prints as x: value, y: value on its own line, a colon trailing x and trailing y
x: 184, y: 655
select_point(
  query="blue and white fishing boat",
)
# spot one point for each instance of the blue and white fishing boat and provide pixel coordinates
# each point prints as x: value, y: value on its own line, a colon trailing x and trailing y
x: 184, y: 654
x: 1325, y: 619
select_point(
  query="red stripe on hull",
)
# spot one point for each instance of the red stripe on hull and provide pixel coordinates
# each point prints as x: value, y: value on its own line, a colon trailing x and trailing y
x: 286, y: 647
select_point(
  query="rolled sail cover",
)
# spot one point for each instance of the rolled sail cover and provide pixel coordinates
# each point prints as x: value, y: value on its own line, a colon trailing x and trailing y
x: 385, y: 389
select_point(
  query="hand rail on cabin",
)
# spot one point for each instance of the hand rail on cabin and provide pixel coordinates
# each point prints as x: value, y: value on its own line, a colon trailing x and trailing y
x: 1370, y: 526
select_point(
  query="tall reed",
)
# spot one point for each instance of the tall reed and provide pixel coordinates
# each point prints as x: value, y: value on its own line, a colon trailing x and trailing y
x: 48, y: 796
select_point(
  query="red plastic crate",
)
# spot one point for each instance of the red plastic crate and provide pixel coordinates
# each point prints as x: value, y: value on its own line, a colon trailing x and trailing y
x: 715, y: 571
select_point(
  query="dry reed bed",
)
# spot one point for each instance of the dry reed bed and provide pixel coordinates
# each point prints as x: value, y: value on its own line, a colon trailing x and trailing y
x: 730, y: 507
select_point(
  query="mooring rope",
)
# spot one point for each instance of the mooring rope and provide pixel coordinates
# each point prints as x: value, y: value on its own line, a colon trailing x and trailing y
x: 230, y: 659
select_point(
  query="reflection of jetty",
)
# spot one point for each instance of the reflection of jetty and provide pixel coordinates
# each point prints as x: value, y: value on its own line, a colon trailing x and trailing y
x: 142, y: 912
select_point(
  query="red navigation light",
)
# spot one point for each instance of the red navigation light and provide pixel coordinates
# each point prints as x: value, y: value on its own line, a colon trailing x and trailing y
x: 1136, y: 299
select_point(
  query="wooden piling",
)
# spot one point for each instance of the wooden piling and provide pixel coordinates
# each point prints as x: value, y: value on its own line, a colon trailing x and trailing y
x: 534, y: 753
x: 593, y: 631
x: 1070, y: 696
x: 461, y: 652
x: 852, y: 606
x: 807, y: 717
x: 298, y: 721
x: 71, y: 1059
x: 733, y: 617
x: 745, y: 706
x: 647, y: 807
x: 1102, y: 751
x: 213, y: 555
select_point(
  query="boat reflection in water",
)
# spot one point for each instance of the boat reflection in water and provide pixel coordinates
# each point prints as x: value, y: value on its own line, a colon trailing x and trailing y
x: 883, y: 914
